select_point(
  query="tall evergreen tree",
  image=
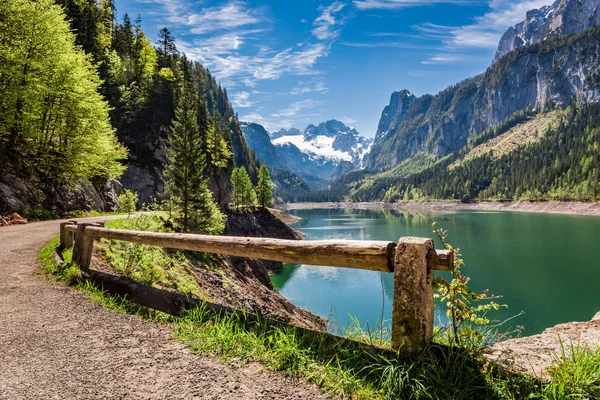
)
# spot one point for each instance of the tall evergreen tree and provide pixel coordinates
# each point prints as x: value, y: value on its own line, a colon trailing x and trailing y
x: 264, y: 191
x: 167, y: 51
x: 243, y: 192
x: 218, y: 148
x: 184, y: 172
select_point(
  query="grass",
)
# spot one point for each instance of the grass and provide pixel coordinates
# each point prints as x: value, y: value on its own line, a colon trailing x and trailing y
x: 150, y: 265
x: 348, y: 369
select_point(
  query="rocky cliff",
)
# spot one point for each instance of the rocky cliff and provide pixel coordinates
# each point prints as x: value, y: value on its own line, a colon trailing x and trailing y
x: 29, y: 192
x: 394, y: 113
x: 563, y: 17
x: 555, y: 70
x: 260, y: 223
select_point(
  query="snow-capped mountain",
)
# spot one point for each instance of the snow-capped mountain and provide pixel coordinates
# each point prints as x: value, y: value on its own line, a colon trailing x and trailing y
x: 314, y: 154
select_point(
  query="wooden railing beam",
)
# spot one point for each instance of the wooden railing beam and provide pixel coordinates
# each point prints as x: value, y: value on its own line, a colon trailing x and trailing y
x: 358, y: 254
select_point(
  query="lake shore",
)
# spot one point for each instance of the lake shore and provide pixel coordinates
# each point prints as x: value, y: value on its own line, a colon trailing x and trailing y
x: 550, y: 207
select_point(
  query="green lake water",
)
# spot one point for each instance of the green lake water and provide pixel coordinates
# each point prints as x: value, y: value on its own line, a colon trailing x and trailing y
x: 544, y: 265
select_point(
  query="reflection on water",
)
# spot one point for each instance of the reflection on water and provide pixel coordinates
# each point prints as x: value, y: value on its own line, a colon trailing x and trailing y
x: 542, y: 264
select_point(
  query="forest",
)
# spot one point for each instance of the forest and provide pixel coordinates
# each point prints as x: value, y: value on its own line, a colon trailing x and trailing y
x: 86, y: 95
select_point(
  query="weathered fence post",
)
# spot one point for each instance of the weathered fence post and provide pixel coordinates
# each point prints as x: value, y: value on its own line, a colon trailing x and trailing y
x: 82, y: 250
x: 412, y: 312
x: 66, y: 237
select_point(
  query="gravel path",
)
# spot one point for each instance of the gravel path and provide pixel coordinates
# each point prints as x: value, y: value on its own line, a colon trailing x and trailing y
x: 54, y: 344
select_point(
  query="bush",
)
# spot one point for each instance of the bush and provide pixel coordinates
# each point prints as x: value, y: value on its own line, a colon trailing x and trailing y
x: 128, y: 201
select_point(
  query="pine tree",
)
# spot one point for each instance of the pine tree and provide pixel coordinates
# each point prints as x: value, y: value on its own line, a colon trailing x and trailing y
x: 264, y: 191
x: 167, y: 51
x: 243, y: 192
x: 218, y: 148
x: 184, y: 171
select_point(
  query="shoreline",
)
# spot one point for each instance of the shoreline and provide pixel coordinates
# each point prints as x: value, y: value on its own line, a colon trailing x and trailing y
x: 550, y: 207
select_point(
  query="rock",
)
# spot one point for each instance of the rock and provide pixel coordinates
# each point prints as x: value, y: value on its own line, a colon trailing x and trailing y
x: 286, y: 132
x: 29, y: 192
x: 315, y: 155
x: 258, y: 139
x: 146, y: 181
x: 110, y: 193
x: 260, y: 223
x: 533, y: 354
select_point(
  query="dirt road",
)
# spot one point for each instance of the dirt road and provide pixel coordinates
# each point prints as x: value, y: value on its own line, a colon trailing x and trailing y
x: 54, y: 344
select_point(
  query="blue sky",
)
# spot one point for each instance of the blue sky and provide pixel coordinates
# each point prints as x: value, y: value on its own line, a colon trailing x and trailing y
x: 291, y: 63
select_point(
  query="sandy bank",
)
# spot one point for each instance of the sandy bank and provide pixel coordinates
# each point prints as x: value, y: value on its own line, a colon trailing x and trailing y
x: 549, y: 207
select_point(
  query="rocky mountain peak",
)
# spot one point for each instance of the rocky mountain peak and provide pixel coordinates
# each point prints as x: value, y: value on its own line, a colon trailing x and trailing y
x: 329, y: 128
x: 393, y: 114
x: 563, y: 17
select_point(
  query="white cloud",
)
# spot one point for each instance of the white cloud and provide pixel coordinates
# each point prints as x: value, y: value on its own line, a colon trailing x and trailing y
x: 242, y: 100
x: 285, y: 118
x: 226, y: 63
x: 299, y: 62
x: 294, y: 109
x: 227, y: 17
x: 397, y: 4
x: 251, y: 83
x: 348, y: 120
x: 316, y: 85
x: 442, y: 58
x: 324, y: 25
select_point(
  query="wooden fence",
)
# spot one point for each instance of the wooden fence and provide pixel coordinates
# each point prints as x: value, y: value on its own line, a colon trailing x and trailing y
x: 412, y: 261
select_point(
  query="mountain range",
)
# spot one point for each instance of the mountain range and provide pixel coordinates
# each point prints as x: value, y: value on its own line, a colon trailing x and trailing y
x: 318, y: 154
x: 548, y: 68
x: 525, y: 129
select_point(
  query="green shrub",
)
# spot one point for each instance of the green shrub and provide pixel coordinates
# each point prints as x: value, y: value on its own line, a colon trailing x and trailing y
x: 128, y: 201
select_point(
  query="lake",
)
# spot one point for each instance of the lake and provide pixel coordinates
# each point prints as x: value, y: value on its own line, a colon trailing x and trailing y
x: 542, y: 264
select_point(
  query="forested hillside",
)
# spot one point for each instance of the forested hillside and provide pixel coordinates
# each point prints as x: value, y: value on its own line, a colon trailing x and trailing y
x: 52, y: 118
x: 79, y: 88
x: 141, y: 80
x: 563, y: 164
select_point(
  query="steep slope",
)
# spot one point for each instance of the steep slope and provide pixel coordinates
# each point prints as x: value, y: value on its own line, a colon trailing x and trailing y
x: 321, y: 148
x: 285, y: 182
x: 260, y: 142
x: 149, y: 142
x: 286, y: 132
x: 550, y: 72
x: 564, y: 17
